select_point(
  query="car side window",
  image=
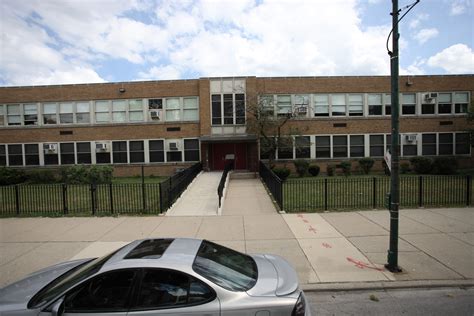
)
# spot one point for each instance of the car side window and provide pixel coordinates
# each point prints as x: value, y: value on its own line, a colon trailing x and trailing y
x: 105, y: 293
x: 161, y: 289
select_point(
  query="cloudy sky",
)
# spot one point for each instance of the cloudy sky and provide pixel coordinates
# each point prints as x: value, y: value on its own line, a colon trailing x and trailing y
x: 85, y: 41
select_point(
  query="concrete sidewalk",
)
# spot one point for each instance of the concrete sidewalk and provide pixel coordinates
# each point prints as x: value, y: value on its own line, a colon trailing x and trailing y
x: 346, y: 249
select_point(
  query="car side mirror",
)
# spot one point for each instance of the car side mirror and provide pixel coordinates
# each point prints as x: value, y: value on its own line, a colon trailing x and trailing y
x: 57, y: 309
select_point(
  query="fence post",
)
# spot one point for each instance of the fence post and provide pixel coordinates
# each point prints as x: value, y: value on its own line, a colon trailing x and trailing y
x: 143, y: 189
x: 468, y: 190
x: 111, y: 196
x: 17, y: 199
x: 325, y: 194
x: 420, y: 192
x: 93, y: 188
x: 375, y: 192
x: 65, y: 198
x: 281, y: 195
x: 161, y: 197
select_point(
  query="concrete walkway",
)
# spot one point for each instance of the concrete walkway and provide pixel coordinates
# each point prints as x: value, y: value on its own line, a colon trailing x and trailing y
x: 435, y: 245
x: 200, y: 198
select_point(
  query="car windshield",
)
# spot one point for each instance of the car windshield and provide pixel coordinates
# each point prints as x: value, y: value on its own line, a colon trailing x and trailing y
x: 225, y: 267
x: 68, y: 279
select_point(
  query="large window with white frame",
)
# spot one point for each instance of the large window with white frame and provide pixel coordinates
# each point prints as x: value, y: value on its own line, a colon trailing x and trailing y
x: 356, y: 105
x: 50, y: 113
x: 321, y: 105
x: 32, y: 155
x: 302, y: 147
x: 66, y: 113
x: 461, y: 102
x: 119, y: 111
x: 357, y: 146
x: 216, y: 105
x: 284, y: 107
x: 239, y: 108
x: 102, y: 114
x: 119, y: 152
x: 137, y: 151
x: 445, y: 103
x: 285, y: 148
x: 2, y: 115
x: 463, y: 144
x: 190, y: 109
x: 338, y: 104
x: 15, y: 155
x: 445, y: 143
x: 51, y: 156
x: 67, y: 153
x: 191, y: 150
x: 102, y: 152
x: 83, y: 115
x: 172, y: 110
x: 83, y: 150
x: 3, y: 155
x: 375, y: 104
x: 387, y: 98
x: 13, y: 114
x: 339, y: 146
x: 301, y: 105
x: 323, y: 146
x: 408, y: 103
x: 376, y: 143
x: 30, y: 114
x: 428, y: 144
x: 156, y: 150
x: 409, y: 145
x: 267, y: 105
x: 228, y: 100
x: 135, y: 111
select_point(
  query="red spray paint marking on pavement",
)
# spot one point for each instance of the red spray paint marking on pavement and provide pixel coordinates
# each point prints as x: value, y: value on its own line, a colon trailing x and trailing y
x: 326, y: 245
x: 312, y: 229
x: 300, y: 215
x: 362, y: 265
x: 306, y: 221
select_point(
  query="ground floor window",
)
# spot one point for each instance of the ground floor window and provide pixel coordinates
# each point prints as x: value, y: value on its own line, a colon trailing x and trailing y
x: 191, y: 150
x: 32, y: 155
x: 137, y: 151
x: 156, y: 150
x: 303, y: 146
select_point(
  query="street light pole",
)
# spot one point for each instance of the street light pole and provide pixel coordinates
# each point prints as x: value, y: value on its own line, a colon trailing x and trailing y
x: 392, y: 257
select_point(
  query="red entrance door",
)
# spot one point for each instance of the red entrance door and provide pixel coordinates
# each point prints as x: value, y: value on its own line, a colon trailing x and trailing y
x: 237, y: 150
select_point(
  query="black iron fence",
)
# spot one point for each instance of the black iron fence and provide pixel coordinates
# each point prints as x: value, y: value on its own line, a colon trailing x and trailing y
x: 79, y: 199
x: 172, y: 188
x: 220, y: 188
x: 273, y: 183
x: 370, y: 192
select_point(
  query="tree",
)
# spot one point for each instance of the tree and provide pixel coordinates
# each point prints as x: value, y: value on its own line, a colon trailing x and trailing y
x: 268, y: 121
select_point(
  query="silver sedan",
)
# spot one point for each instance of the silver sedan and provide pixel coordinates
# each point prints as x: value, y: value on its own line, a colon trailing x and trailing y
x: 161, y: 277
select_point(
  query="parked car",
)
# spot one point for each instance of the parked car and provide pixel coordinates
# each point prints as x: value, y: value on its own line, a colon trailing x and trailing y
x: 161, y: 277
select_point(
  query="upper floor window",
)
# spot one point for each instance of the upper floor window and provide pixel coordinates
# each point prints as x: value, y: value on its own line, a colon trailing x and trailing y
x: 102, y: 112
x: 228, y: 109
x: 375, y: 104
x: 135, y: 110
x: 301, y: 105
x: 284, y: 105
x: 2, y: 113
x: 356, y: 105
x: 445, y: 103
x: 408, y: 104
x: 119, y: 111
x: 267, y: 105
x: 172, y: 109
x: 30, y: 114
x: 461, y: 102
x: 66, y: 113
x: 83, y: 112
x: 50, y: 115
x: 338, y: 105
x: 239, y: 108
x: 13, y: 114
x: 321, y: 105
x: 387, y: 98
x: 216, y: 109
x: 190, y: 109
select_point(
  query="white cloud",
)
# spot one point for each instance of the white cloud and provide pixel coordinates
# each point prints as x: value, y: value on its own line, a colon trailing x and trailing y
x: 459, y: 7
x: 168, y: 72
x: 424, y: 35
x: 415, y: 22
x: 457, y: 58
x: 416, y: 68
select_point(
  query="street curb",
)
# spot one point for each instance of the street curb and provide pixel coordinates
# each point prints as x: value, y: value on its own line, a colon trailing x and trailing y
x: 386, y: 285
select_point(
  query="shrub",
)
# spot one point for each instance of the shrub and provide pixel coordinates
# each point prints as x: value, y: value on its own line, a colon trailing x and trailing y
x: 313, y: 170
x: 301, y: 167
x: 11, y: 176
x: 84, y: 174
x: 331, y: 169
x: 346, y: 167
x: 40, y: 176
x: 445, y: 165
x: 366, y: 164
x: 100, y: 174
x: 421, y: 165
x: 404, y: 167
x: 282, y: 173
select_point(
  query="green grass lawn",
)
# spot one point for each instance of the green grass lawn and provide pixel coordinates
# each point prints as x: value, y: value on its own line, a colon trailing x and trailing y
x: 138, y: 179
x: 312, y: 194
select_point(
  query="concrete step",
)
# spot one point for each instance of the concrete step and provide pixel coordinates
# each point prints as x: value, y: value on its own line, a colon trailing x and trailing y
x: 243, y: 175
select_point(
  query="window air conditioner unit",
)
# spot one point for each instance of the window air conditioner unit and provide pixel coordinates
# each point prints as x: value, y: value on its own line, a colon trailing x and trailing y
x: 50, y: 148
x: 410, y: 138
x: 155, y: 115
x: 430, y: 96
x: 102, y: 147
x: 173, y: 146
x: 302, y: 110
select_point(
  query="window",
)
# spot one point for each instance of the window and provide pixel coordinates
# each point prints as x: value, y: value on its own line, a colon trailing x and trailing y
x: 191, y: 150
x: 155, y: 109
x: 375, y: 104
x: 388, y: 104
x: 135, y: 111
x: 83, y: 153
x: 321, y: 105
x: 102, y: 155
x: 216, y: 109
x: 339, y: 146
x: 225, y: 267
x: 444, y: 103
x: 67, y: 153
x: 428, y: 144
x: 50, y: 113
x: 119, y: 152
x: 427, y: 106
x: 157, y: 153
x: 102, y: 112
x: 150, y: 249
x: 376, y: 146
x: 137, y: 151
x: 13, y: 114
x: 265, y: 148
x: 65, y: 113
x: 410, y: 148
x: 283, y: 105
x: 109, y: 292
x: 408, y: 104
x: 463, y: 146
x: 190, y: 109
x: 323, y: 147
x: 3, y: 156
x: 357, y: 145
x: 338, y: 105
x: 31, y: 155
x: 51, y: 154
x: 301, y: 105
x: 15, y: 155
x: 303, y: 146
x: 30, y: 116
x: 172, y: 109
x: 174, y: 156
x: 2, y: 113
x: 228, y: 109
x: 83, y: 115
x: 285, y: 148
x: 267, y: 104
x: 445, y: 144
x: 356, y: 105
x: 240, y: 108
x: 161, y: 289
x: 461, y: 102
x: 119, y: 110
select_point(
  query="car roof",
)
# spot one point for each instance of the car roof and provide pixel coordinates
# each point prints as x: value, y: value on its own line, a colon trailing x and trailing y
x: 179, y: 254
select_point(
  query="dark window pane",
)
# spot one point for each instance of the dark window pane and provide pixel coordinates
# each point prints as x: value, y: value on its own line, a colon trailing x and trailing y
x: 375, y: 110
x: 31, y: 149
x: 339, y: 152
x: 376, y: 151
x: 444, y: 108
x: 339, y: 140
x: 173, y: 156
x: 445, y: 138
x: 409, y: 150
x: 228, y: 109
x: 156, y: 144
x: 14, y: 150
x: 240, y: 108
x: 67, y: 147
x: 51, y: 159
x: 149, y: 249
x: 216, y: 109
x: 102, y: 157
x: 322, y: 140
x: 408, y: 109
x: 191, y: 144
x: 427, y: 109
x: 357, y: 140
x: 462, y: 144
x: 105, y: 293
x: 136, y: 145
x: 65, y: 118
x: 157, y: 156
x: 303, y: 147
x: 137, y: 157
x: 119, y: 146
x: 67, y: 153
x: 83, y: 158
x: 83, y: 147
x: 162, y: 289
x: 388, y: 110
x: 120, y: 157
x: 191, y: 155
x: 155, y: 104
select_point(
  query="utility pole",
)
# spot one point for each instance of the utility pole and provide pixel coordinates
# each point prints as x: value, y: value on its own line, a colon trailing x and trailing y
x: 392, y: 258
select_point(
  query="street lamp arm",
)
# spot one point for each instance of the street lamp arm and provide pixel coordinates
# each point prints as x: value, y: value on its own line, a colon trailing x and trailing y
x: 409, y: 7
